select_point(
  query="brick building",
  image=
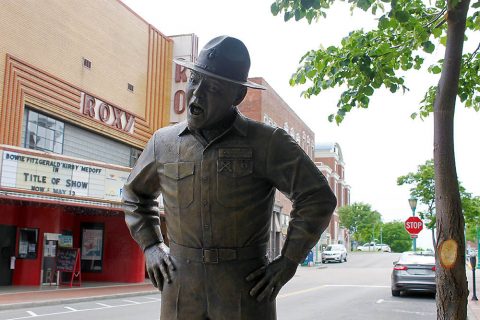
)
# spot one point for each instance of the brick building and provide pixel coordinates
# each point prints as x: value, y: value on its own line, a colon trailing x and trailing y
x: 84, y: 84
x: 329, y: 159
x: 268, y: 107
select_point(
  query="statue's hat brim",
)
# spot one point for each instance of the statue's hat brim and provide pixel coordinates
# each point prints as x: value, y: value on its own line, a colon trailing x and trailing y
x: 199, y: 69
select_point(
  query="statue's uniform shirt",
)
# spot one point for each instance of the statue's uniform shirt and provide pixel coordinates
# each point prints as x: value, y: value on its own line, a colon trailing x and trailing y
x: 220, y: 194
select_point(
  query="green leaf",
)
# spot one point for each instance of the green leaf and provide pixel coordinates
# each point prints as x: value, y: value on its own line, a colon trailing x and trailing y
x: 307, y: 4
x: 368, y: 91
x: 476, y: 5
x: 428, y: 46
x: 436, y: 69
x: 437, y: 32
x: 299, y: 14
x: 364, y: 100
x: 377, y: 83
x: 402, y: 16
x: 364, y: 4
x: 287, y: 16
x: 331, y: 117
x: 338, y: 119
x: 383, y: 23
x: 274, y: 8
x: 393, y: 88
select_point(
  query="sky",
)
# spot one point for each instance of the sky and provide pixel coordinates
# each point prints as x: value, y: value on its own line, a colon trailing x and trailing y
x: 378, y: 144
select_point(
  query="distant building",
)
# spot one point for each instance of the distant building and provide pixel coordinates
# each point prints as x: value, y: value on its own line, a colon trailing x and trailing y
x: 329, y: 159
x: 268, y: 107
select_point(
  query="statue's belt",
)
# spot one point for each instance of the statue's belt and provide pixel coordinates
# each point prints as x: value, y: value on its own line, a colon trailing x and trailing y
x: 216, y: 255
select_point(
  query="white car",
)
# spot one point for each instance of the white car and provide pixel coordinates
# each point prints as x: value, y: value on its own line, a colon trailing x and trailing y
x: 372, y: 247
x: 334, y: 252
x: 384, y: 247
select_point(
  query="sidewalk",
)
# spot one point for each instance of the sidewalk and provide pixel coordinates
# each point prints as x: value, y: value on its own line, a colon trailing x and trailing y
x: 13, y: 297
x: 473, y: 306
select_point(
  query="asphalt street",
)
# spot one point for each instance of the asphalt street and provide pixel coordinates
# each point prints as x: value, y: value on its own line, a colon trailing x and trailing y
x: 358, y: 289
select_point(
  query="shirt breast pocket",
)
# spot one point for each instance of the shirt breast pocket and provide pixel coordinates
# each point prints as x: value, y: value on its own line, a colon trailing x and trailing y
x: 178, y: 184
x: 234, y: 176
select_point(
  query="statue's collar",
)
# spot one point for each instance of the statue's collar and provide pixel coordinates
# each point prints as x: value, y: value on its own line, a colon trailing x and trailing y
x: 240, y: 125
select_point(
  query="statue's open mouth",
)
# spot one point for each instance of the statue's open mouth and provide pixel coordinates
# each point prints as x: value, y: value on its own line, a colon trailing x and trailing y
x: 195, y: 109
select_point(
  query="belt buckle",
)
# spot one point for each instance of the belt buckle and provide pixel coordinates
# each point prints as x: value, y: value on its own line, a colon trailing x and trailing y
x: 210, y: 255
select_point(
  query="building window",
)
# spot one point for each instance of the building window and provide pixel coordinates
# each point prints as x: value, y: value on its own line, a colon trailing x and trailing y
x: 43, y: 133
x: 130, y: 87
x: 28, y: 243
x: 87, y: 63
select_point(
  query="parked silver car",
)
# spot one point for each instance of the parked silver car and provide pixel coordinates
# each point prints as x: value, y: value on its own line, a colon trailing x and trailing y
x: 334, y: 252
x: 414, y: 271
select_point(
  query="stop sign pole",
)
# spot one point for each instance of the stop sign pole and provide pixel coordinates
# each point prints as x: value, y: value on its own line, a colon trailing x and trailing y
x: 413, y: 205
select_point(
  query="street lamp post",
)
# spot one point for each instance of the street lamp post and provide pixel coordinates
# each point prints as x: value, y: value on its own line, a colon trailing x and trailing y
x: 413, y: 205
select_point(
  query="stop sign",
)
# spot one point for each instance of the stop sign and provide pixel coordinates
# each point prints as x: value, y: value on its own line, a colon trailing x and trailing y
x: 413, y: 225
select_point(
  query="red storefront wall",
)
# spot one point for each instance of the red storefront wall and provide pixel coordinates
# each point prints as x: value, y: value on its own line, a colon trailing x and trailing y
x: 122, y: 258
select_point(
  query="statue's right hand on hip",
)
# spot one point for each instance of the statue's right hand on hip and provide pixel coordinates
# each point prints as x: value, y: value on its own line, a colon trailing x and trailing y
x: 159, y: 264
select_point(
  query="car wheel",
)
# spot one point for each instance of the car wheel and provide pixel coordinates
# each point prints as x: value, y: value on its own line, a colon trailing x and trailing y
x: 396, y: 293
x: 345, y: 258
x: 323, y: 261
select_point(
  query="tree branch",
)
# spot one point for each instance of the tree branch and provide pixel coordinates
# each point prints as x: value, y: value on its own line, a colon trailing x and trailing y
x: 437, y: 16
x: 473, y: 54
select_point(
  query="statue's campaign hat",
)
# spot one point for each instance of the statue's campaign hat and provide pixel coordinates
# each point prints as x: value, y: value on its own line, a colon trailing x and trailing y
x: 224, y: 58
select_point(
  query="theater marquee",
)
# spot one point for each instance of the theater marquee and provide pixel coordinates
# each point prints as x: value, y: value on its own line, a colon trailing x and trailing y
x: 23, y: 170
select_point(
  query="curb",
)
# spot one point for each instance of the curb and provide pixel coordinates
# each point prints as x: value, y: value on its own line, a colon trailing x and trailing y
x: 73, y: 300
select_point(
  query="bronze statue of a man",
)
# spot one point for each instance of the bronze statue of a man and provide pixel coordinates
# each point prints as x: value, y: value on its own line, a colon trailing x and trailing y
x: 217, y: 173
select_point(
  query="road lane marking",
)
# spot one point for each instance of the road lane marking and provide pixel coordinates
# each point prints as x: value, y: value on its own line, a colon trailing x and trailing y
x: 34, y: 315
x: 131, y: 301
x: 356, y: 286
x: 104, y: 305
x: 286, y: 295
x: 419, y: 313
x: 389, y: 301
x: 71, y: 309
x: 156, y: 299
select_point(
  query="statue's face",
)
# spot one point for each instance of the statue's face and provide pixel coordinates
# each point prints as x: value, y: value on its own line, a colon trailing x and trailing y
x: 209, y: 101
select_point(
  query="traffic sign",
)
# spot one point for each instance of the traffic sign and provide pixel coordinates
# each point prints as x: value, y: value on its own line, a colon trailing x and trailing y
x: 413, y: 225
x: 413, y: 236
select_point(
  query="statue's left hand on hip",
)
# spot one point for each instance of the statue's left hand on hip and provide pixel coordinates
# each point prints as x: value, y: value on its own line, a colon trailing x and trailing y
x: 271, y: 278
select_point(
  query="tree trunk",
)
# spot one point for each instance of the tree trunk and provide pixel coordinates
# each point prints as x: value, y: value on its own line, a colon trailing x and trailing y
x: 452, y: 291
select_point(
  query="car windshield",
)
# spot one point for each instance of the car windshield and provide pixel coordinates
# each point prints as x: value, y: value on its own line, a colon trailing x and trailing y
x: 417, y: 258
x: 334, y: 248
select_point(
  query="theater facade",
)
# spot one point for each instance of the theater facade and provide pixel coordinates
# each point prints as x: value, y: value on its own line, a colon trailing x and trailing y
x: 83, y: 87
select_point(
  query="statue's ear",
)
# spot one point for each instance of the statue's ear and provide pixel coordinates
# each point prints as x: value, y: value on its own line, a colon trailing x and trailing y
x: 241, y: 93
